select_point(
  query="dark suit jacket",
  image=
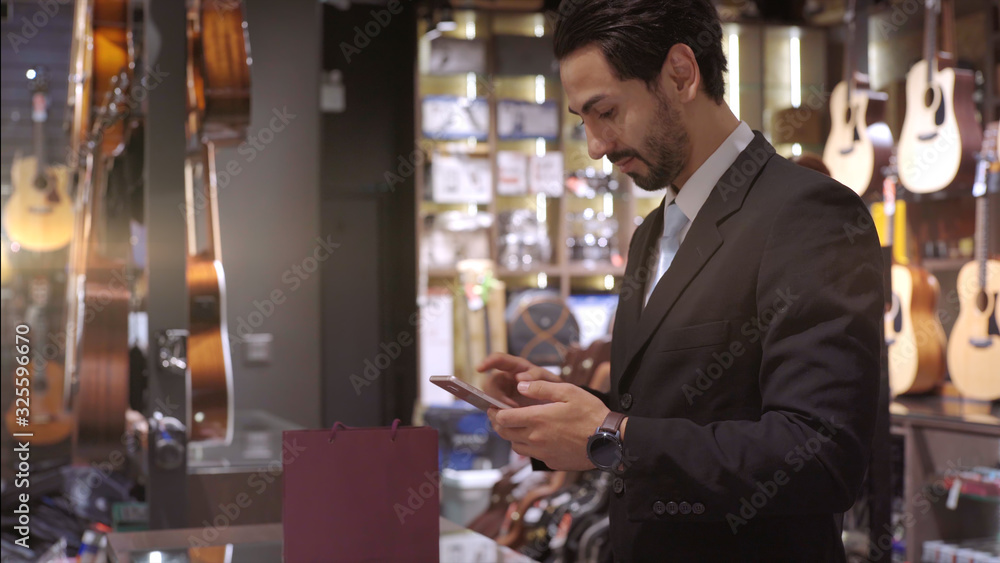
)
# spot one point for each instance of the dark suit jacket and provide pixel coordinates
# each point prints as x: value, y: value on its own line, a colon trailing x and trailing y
x: 750, y: 379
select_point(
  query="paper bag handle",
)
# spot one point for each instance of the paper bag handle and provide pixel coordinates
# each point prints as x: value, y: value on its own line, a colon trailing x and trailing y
x: 340, y: 425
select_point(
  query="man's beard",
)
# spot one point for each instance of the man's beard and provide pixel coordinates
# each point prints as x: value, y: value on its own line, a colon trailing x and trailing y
x: 666, y: 149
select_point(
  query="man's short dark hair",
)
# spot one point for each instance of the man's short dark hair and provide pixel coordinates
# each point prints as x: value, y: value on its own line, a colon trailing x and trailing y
x: 636, y: 35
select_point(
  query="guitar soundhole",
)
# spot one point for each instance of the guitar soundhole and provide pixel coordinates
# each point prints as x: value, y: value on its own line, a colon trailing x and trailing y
x: 929, y: 97
x: 982, y: 301
x: 41, y: 182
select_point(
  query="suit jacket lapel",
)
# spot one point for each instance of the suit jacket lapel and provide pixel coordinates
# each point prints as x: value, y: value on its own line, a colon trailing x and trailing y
x: 642, y: 256
x: 701, y: 242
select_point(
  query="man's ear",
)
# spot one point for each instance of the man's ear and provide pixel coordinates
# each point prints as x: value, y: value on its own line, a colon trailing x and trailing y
x: 680, y: 76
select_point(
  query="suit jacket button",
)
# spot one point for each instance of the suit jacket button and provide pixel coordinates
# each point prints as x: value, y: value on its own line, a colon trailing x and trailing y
x: 671, y: 508
x: 626, y: 401
x: 659, y: 508
x: 618, y: 485
x: 698, y: 508
x: 685, y: 508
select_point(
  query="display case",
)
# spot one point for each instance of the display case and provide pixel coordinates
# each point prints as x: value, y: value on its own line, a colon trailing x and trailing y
x: 950, y: 456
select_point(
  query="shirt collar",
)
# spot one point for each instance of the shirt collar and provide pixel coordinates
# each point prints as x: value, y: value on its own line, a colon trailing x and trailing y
x: 696, y: 190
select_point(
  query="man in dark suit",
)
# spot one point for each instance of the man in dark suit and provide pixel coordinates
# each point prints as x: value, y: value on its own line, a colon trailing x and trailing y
x: 746, y: 348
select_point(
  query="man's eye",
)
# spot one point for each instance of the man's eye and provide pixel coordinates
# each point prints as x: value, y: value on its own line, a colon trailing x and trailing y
x: 607, y: 114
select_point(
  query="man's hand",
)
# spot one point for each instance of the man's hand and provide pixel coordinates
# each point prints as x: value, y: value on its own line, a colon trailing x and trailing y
x: 555, y: 432
x: 509, y: 371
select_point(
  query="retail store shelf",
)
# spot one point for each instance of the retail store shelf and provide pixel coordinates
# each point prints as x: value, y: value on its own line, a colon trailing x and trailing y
x: 980, y: 490
x: 577, y: 269
x: 944, y: 264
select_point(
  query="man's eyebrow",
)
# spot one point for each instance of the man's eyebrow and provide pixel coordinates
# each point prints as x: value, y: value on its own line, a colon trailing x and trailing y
x: 589, y: 104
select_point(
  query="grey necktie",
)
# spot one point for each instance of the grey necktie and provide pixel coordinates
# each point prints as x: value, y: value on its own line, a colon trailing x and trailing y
x: 673, y: 221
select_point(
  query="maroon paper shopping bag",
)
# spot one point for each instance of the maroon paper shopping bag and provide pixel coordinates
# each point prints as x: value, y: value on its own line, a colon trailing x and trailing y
x: 361, y: 494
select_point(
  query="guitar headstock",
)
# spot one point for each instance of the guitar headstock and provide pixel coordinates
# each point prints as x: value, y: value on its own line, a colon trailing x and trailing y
x: 38, y: 80
x: 38, y: 85
x: 987, y: 157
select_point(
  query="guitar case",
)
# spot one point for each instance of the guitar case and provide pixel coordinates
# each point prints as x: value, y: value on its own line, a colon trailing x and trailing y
x: 540, y: 327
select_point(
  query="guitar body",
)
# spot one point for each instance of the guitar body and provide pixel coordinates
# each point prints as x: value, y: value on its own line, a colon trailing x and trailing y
x: 859, y: 143
x: 913, y: 332
x: 49, y: 423
x: 940, y: 136
x: 101, y: 375
x: 208, y: 352
x: 39, y: 219
x: 974, y: 349
x: 218, y: 104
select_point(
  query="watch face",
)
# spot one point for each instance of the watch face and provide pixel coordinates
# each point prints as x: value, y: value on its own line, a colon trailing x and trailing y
x: 605, y: 451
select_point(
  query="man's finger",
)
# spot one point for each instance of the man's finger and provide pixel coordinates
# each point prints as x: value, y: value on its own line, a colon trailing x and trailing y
x: 546, y: 390
x: 504, y: 362
x: 533, y: 376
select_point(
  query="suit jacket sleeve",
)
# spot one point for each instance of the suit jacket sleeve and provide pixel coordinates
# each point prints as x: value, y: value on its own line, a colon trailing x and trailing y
x: 819, y: 379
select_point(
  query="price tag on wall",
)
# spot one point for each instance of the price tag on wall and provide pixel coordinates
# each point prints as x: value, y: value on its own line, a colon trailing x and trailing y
x: 547, y: 174
x: 518, y: 119
x: 459, y: 179
x: 452, y: 117
x: 512, y: 170
x: 453, y: 56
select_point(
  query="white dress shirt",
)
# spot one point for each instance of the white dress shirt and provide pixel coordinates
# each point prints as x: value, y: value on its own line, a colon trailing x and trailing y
x: 692, y: 195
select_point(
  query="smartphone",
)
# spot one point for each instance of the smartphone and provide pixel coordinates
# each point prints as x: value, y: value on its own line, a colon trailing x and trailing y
x: 475, y: 397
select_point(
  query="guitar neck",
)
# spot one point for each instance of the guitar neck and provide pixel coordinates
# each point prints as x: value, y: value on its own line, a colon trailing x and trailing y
x: 982, y: 236
x: 38, y: 118
x: 849, y: 47
x: 889, y: 210
x: 930, y: 37
x: 39, y: 142
x: 948, y: 27
x: 205, y: 209
x: 214, y: 240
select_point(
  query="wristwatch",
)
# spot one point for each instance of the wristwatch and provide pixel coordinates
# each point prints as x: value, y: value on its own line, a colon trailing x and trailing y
x: 604, y: 448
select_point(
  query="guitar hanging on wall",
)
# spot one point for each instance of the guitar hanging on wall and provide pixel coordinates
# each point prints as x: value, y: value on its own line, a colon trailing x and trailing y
x: 97, y: 362
x: 218, y: 73
x: 39, y: 214
x: 913, y: 333
x: 43, y: 409
x: 940, y: 135
x: 974, y: 346
x: 859, y: 143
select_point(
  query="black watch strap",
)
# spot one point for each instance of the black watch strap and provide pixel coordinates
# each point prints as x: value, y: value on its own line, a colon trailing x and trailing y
x: 612, y: 422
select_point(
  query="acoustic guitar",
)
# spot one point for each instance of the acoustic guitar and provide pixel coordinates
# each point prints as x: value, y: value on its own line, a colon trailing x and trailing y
x: 913, y: 333
x: 43, y: 407
x: 218, y: 73
x: 940, y: 135
x: 974, y: 346
x: 97, y: 363
x: 860, y: 142
x: 39, y: 214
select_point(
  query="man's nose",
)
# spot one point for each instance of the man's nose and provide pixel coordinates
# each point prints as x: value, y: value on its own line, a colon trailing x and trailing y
x: 601, y: 140
x: 599, y: 143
